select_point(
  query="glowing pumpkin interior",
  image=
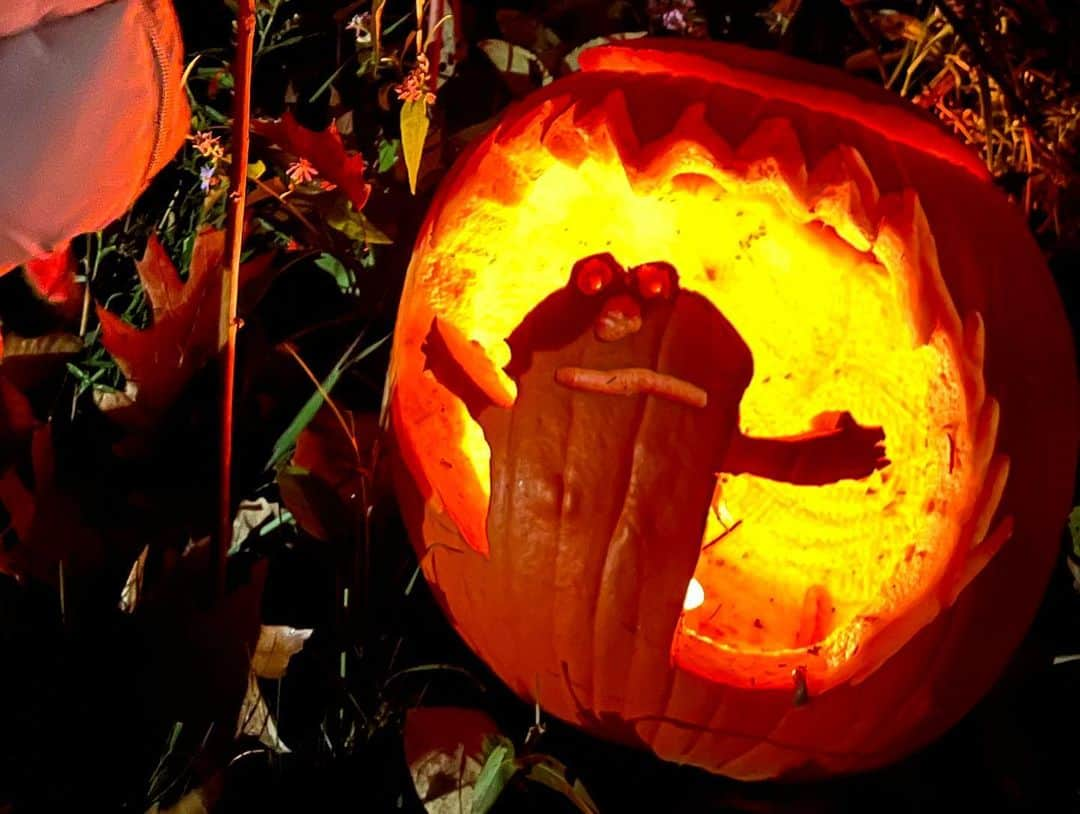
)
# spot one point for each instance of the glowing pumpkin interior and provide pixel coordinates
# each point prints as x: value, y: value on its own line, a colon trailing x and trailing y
x: 839, y: 298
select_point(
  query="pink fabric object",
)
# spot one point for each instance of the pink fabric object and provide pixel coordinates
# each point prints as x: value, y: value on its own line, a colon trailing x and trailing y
x: 91, y: 106
x: 19, y: 15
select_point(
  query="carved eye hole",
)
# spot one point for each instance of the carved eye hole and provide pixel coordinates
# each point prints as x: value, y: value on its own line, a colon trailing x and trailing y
x: 655, y: 280
x: 595, y: 273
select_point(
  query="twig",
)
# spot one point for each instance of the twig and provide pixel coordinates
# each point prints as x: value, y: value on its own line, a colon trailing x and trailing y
x: 228, y: 325
x: 987, y: 113
x: 378, y: 7
x: 866, y: 29
x: 419, y: 27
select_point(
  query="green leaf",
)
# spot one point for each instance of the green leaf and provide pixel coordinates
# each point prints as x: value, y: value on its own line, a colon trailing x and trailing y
x: 256, y: 170
x: 287, y: 441
x: 223, y: 78
x: 499, y: 768
x: 327, y: 262
x: 388, y: 154
x: 354, y: 224
x: 414, y: 128
x: 551, y: 773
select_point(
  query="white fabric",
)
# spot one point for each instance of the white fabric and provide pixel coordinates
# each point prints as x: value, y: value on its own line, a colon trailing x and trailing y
x: 90, y: 108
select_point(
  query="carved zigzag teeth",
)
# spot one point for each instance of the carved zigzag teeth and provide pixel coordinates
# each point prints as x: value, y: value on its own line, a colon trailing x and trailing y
x: 844, y: 195
x: 975, y: 351
x: 904, y: 239
x: 691, y: 147
x: 840, y: 191
x: 610, y: 128
x: 994, y: 486
x: 772, y: 150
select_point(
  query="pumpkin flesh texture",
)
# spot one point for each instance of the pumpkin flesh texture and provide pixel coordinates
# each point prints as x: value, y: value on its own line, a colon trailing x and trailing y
x: 594, y: 641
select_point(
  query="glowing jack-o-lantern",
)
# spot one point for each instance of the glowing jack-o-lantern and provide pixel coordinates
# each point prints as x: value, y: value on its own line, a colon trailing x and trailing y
x: 734, y: 410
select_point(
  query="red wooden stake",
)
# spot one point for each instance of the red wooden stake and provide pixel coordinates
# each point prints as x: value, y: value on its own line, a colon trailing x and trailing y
x: 228, y: 325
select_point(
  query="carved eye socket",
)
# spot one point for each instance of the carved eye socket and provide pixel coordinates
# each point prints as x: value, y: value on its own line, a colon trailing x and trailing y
x: 595, y: 273
x: 655, y: 280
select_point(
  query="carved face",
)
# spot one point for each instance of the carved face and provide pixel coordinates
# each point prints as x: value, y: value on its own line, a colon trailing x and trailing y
x: 622, y: 555
x: 622, y: 294
x: 603, y: 304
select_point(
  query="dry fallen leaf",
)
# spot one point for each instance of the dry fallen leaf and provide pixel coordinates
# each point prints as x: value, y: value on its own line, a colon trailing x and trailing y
x: 521, y: 69
x: 250, y: 515
x: 444, y: 747
x: 35, y: 361
x: 444, y: 43
x: 277, y: 644
x: 129, y: 595
x: 255, y: 719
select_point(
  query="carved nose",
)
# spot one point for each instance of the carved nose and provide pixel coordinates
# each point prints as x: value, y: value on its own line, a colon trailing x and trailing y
x: 619, y: 317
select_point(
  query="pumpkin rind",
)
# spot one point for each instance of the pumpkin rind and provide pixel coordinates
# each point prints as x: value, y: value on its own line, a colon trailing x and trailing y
x: 588, y: 631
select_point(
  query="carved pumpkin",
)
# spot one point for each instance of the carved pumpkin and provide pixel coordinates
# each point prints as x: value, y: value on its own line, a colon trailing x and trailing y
x: 661, y: 329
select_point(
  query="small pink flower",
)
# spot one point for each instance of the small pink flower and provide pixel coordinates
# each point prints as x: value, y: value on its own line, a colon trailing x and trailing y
x: 414, y: 87
x: 207, y: 145
x: 360, y: 25
x: 301, y: 171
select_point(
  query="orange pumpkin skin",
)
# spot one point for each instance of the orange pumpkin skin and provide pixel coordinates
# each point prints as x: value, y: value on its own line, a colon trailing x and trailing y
x: 587, y: 629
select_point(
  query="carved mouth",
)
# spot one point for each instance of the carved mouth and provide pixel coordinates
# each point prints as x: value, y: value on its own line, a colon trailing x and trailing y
x: 632, y: 381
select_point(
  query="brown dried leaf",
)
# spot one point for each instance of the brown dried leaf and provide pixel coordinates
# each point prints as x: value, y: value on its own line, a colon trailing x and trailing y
x: 250, y: 515
x: 129, y: 596
x: 444, y: 747
x: 277, y: 644
x: 521, y: 69
x: 255, y: 719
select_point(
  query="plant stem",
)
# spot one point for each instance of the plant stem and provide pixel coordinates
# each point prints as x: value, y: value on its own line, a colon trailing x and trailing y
x: 228, y: 324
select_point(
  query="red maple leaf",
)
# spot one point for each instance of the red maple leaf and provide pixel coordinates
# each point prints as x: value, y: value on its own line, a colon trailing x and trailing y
x: 52, y: 276
x: 183, y: 336
x: 324, y: 150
